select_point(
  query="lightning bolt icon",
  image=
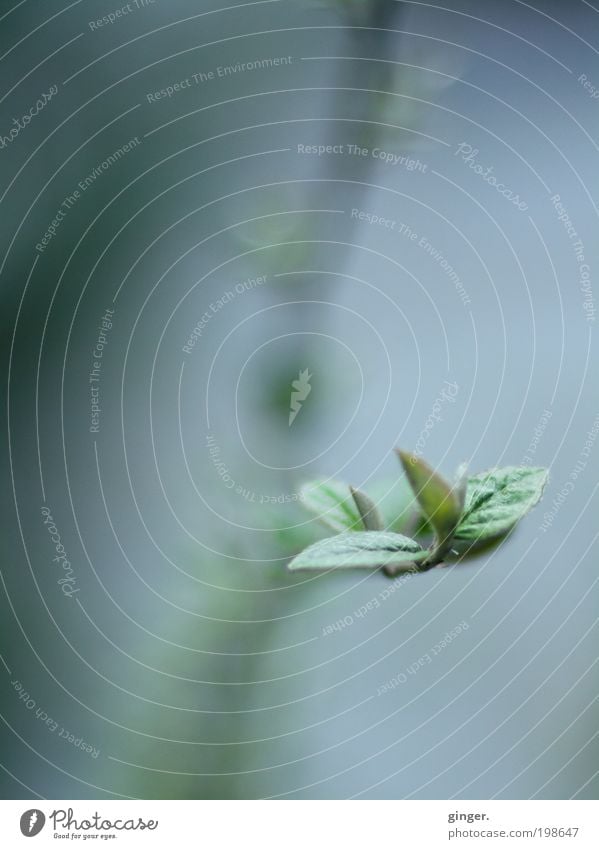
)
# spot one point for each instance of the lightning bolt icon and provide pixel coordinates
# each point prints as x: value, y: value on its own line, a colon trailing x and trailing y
x: 32, y: 821
x: 302, y: 390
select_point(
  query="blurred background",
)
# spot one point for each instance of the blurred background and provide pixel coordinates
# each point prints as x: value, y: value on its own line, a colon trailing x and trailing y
x: 200, y: 201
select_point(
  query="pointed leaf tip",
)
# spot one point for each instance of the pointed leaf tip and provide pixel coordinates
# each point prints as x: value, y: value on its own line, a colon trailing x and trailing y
x: 441, y: 503
x: 371, y: 518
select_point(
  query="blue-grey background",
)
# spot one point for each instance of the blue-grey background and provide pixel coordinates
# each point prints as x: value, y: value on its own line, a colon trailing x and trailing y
x: 189, y: 660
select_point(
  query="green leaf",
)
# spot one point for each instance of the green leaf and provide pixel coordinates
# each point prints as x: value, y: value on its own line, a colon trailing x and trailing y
x: 371, y: 518
x: 439, y: 501
x: 368, y: 550
x: 496, y: 500
x: 462, y: 549
x: 333, y: 503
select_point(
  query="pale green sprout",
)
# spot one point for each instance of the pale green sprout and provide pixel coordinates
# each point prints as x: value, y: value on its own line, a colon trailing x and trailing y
x: 377, y: 530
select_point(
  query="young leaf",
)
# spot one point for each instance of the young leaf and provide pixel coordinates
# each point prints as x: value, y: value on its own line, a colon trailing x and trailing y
x: 371, y: 518
x: 333, y: 504
x: 440, y: 503
x: 462, y: 549
x: 368, y: 550
x: 496, y: 500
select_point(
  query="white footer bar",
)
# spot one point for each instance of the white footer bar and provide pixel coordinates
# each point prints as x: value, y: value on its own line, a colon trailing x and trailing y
x: 306, y: 824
